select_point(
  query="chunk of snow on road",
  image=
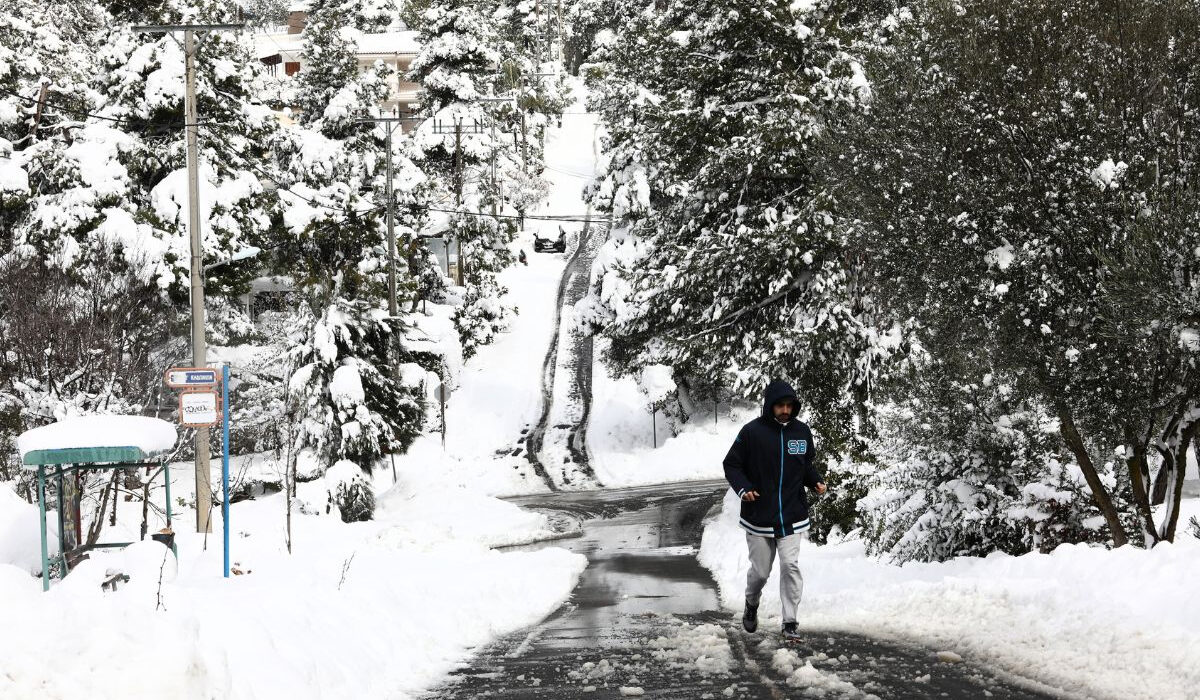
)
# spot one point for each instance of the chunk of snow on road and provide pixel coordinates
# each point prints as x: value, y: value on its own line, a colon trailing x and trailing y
x: 949, y: 657
x: 703, y: 648
x: 631, y: 691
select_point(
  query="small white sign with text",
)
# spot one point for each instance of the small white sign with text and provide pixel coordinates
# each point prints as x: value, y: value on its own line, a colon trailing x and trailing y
x: 198, y: 408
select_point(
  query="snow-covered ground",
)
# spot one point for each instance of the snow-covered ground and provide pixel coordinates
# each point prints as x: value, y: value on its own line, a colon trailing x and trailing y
x: 1093, y: 622
x: 498, y: 392
x: 375, y: 609
x: 621, y: 436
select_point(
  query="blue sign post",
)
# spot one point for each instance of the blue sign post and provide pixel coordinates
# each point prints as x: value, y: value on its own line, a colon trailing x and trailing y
x: 225, y: 459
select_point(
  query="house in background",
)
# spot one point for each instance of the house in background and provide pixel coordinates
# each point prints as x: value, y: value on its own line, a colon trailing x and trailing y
x: 281, y: 49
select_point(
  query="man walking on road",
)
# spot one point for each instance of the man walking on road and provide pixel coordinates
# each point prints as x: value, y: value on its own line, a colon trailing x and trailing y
x: 769, y: 465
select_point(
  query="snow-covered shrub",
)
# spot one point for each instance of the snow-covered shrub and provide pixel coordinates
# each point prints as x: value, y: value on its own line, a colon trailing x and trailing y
x: 349, y: 492
x: 227, y: 323
x: 657, y: 384
x: 662, y: 395
x: 482, y: 315
x: 836, y: 511
x: 431, y: 283
x: 966, y: 469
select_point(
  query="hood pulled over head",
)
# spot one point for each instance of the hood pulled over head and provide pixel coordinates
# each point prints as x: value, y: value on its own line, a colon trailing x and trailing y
x: 775, y: 391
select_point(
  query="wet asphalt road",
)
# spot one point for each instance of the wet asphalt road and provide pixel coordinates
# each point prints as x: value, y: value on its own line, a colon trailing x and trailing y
x: 645, y: 621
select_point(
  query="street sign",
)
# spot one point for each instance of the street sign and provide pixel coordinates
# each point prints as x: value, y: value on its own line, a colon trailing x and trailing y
x: 198, y: 408
x: 185, y: 377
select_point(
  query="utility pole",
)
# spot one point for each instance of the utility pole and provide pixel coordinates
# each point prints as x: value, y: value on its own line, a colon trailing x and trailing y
x: 390, y: 124
x: 391, y: 226
x: 476, y: 127
x: 199, y: 347
x: 458, y: 196
x: 558, y: 32
x: 495, y: 191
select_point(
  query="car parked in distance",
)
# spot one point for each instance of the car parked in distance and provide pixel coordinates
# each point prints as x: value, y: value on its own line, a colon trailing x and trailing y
x: 550, y: 245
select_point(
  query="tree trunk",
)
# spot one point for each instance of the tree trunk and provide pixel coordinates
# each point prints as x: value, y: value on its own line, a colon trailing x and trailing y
x: 145, y: 505
x: 1158, y: 492
x: 1174, y: 481
x: 1138, y: 475
x: 1099, y: 494
x: 98, y: 522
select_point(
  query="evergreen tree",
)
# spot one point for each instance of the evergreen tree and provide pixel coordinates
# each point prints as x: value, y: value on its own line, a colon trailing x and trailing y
x: 727, y: 260
x: 342, y: 394
x: 344, y: 389
x: 456, y: 70
x: 1027, y: 184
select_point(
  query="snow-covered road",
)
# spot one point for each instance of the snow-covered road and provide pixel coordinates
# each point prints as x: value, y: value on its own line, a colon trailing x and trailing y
x: 645, y: 619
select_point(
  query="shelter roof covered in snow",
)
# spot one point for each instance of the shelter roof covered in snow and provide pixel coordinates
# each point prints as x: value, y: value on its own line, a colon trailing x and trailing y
x: 96, y: 440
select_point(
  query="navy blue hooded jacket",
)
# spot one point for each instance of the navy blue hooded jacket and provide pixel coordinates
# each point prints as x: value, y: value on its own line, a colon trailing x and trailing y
x: 776, y: 461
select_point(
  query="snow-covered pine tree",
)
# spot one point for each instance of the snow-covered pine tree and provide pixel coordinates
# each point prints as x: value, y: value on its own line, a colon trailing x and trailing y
x: 107, y: 223
x: 727, y: 261
x: 584, y: 22
x: 344, y: 392
x: 456, y: 70
x: 532, y: 71
x: 1013, y: 200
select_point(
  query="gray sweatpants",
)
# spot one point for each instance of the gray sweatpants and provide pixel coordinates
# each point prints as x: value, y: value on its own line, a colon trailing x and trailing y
x: 762, y: 556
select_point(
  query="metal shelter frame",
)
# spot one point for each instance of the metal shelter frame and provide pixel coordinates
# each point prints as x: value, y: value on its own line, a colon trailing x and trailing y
x: 85, y: 459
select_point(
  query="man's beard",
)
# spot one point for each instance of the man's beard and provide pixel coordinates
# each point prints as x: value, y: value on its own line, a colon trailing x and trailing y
x: 783, y: 419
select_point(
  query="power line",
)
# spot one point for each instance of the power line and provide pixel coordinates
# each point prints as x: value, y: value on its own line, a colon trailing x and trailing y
x: 68, y: 110
x: 93, y: 115
x: 581, y: 218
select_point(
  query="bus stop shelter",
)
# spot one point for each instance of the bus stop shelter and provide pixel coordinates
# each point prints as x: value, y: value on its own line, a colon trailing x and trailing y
x: 59, y: 452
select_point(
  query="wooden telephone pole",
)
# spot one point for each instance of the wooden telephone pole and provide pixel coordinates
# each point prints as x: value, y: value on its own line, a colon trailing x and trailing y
x: 199, y: 347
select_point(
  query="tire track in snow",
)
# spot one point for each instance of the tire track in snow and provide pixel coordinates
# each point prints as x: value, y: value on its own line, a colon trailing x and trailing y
x: 569, y: 291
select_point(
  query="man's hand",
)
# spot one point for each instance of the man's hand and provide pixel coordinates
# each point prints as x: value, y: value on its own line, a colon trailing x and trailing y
x: 820, y: 487
x: 750, y: 495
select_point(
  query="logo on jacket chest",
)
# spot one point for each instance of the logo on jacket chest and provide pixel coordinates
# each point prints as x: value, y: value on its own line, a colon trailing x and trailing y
x: 797, y: 447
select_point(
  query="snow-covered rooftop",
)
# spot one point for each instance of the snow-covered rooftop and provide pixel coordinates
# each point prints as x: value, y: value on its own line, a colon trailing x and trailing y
x: 406, y: 42
x: 100, y: 435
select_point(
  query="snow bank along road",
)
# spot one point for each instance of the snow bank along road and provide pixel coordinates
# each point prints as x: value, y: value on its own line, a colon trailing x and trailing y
x: 644, y: 620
